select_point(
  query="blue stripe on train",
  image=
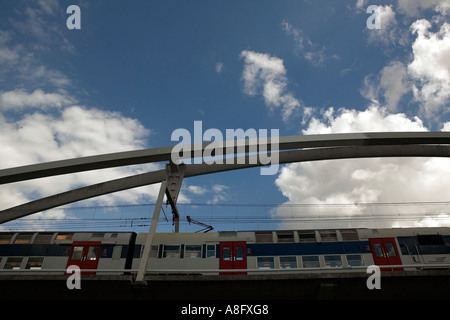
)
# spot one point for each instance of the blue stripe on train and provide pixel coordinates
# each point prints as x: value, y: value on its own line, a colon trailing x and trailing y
x: 52, y: 250
x: 319, y: 248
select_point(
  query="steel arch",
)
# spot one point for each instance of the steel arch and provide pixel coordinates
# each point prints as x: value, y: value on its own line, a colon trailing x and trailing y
x: 306, y: 148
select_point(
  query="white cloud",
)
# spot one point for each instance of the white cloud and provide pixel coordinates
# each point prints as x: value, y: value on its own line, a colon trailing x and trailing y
x: 19, y: 61
x: 413, y: 8
x: 219, y: 67
x: 430, y: 67
x: 361, y: 4
x: 446, y: 126
x: 389, y: 32
x: 392, y: 83
x: 37, y: 20
x: 19, y: 99
x: 374, y: 119
x: 197, y: 190
x: 220, y: 193
x: 266, y: 75
x: 304, y: 47
x: 74, y: 132
x: 426, y: 74
x: 356, y: 181
x: 215, y: 193
x: 8, y: 55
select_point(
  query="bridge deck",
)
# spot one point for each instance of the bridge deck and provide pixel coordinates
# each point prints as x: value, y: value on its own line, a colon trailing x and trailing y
x: 430, y: 284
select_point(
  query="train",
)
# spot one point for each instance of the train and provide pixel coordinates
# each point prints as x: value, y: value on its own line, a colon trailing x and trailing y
x: 227, y: 252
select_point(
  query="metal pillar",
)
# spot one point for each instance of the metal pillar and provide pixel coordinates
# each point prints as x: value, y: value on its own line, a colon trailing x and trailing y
x: 151, y: 233
x: 171, y: 188
x: 175, y: 174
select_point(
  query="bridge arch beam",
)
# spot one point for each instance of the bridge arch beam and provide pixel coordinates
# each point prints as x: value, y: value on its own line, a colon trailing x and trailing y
x: 127, y: 158
x: 292, y: 156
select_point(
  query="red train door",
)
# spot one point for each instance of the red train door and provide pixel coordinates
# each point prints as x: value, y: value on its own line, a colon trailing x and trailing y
x: 84, y: 254
x: 385, y: 252
x: 233, y: 256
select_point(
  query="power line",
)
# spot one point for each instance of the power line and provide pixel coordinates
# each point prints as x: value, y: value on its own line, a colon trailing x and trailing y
x: 424, y: 210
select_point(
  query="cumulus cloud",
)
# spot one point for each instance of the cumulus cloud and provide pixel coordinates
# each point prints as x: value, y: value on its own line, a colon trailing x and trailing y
x: 425, y: 74
x: 198, y: 190
x: 18, y: 99
x: 216, y: 193
x: 266, y: 75
x: 389, y: 32
x: 413, y: 8
x: 391, y: 84
x: 430, y: 67
x: 360, y: 181
x: 75, y: 131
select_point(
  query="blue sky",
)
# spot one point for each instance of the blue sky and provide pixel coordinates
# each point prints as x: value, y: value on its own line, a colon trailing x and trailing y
x: 135, y: 72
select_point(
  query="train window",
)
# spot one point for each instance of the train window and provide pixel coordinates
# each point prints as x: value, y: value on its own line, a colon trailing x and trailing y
x: 311, y: 262
x: 285, y: 236
x: 77, y: 253
x: 193, y: 251
x: 349, y: 235
x: 5, y: 238
x: 13, y: 263
x: 117, y: 250
x: 266, y: 263
x: 43, y: 238
x: 378, y: 250
x: 355, y: 260
x: 35, y: 263
x: 92, y: 253
x: 391, y: 249
x: 307, y: 236
x: 328, y: 235
x: 154, y: 251
x: 333, y: 261
x: 239, y: 253
x: 288, y: 262
x: 430, y: 239
x: 226, y: 253
x: 64, y: 236
x: 211, y: 251
x: 264, y: 236
x: 171, y: 251
x: 23, y: 238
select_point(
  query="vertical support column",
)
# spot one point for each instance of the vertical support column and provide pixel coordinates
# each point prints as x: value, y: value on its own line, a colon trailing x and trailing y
x: 175, y: 175
x: 151, y: 233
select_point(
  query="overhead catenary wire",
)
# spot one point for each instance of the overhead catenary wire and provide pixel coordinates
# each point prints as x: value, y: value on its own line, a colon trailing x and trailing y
x: 89, y: 217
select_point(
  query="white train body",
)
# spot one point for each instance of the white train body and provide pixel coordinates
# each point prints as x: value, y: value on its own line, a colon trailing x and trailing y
x: 223, y: 253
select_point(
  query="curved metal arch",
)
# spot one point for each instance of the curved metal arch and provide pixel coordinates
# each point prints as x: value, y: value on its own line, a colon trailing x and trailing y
x: 127, y: 158
x: 317, y: 154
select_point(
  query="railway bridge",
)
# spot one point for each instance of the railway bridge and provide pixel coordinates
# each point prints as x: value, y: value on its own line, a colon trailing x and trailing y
x: 289, y: 149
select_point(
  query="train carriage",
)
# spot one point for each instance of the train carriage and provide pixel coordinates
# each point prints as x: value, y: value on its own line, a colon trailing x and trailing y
x: 55, y: 251
x: 227, y: 252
